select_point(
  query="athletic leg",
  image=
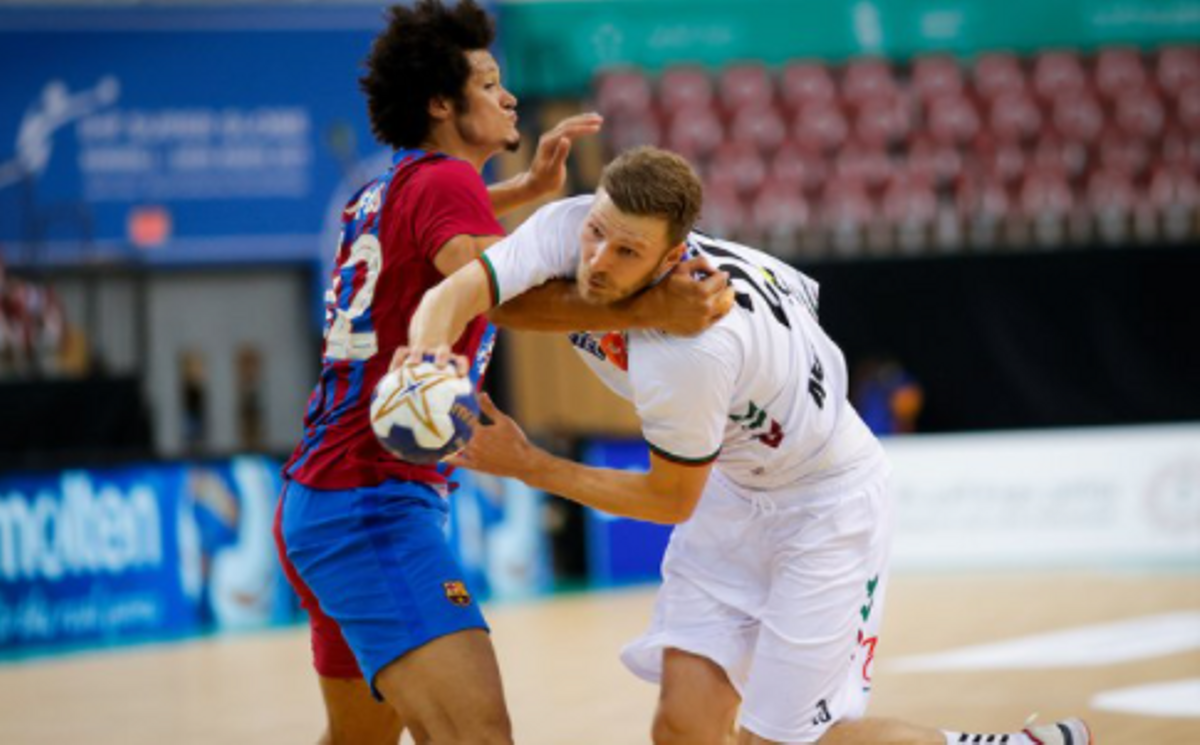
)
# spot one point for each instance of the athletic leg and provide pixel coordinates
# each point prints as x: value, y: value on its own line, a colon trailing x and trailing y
x: 450, y: 690
x: 354, y: 716
x: 697, y: 703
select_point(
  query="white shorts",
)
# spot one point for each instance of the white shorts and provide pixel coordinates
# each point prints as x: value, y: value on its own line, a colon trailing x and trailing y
x: 784, y: 591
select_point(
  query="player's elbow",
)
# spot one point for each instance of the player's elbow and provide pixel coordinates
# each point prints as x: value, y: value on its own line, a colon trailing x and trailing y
x: 678, y: 509
x: 502, y: 316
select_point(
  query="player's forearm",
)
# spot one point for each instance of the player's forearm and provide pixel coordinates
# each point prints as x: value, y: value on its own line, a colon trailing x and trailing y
x: 623, y: 493
x: 557, y: 307
x: 512, y: 194
x: 446, y: 310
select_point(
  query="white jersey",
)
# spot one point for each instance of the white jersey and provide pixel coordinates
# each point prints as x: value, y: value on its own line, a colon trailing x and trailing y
x: 762, y: 392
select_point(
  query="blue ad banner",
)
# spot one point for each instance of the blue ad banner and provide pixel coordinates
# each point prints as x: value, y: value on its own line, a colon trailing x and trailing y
x: 108, y: 555
x: 180, y: 134
x: 620, y: 550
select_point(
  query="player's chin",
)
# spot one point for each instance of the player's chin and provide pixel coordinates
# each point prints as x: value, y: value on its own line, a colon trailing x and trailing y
x: 513, y: 143
x: 605, y: 296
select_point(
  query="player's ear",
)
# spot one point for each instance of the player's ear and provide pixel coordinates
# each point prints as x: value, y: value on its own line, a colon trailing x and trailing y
x: 440, y: 109
x: 674, y: 256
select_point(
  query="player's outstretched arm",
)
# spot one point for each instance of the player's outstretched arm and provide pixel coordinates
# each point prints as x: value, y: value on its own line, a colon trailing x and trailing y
x: 446, y: 310
x: 692, y: 298
x: 548, y: 172
x: 667, y: 493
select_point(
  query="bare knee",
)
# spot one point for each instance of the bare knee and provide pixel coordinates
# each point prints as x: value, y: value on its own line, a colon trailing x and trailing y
x: 477, y: 728
x: 669, y: 728
x: 674, y: 726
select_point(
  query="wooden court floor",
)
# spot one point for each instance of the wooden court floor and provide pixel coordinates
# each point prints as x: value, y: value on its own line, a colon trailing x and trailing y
x: 565, y: 686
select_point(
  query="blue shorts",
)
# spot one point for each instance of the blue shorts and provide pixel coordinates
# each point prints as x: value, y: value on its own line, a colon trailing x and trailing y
x: 377, y: 561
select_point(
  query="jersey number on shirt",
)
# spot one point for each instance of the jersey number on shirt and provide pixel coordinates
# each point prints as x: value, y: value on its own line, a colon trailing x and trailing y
x: 774, y: 293
x: 342, y: 341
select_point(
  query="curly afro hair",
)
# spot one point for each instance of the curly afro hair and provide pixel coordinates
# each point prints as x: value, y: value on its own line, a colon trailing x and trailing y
x: 419, y: 57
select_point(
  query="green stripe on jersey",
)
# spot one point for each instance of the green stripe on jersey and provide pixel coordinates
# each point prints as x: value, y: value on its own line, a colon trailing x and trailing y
x: 493, y: 284
x: 665, y: 455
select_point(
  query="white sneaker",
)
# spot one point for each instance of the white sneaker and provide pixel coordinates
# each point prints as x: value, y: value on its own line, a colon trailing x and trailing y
x: 1066, y: 732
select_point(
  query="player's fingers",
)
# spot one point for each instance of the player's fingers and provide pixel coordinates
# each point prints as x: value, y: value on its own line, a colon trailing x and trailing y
x: 589, y: 121
x: 441, y: 356
x: 725, y: 302
x: 715, y: 283
x: 697, y: 265
x: 582, y: 129
x: 398, y: 358
x: 561, y: 151
x: 489, y: 408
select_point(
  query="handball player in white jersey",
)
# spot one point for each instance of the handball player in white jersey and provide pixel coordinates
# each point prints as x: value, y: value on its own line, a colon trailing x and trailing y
x: 775, y: 578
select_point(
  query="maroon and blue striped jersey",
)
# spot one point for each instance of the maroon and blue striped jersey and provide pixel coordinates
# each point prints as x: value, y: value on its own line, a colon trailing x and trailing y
x: 391, y: 231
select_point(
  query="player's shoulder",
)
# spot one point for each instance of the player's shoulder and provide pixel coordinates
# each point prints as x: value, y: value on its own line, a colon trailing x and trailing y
x: 573, y: 209
x: 443, y: 171
x: 722, y: 342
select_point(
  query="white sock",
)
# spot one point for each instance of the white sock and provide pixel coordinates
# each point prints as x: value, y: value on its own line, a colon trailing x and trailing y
x: 1005, y: 738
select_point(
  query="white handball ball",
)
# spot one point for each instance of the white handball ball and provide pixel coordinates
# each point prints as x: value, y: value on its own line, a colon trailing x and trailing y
x: 422, y: 413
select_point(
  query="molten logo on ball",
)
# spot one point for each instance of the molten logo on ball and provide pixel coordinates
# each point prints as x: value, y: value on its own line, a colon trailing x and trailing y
x: 422, y: 414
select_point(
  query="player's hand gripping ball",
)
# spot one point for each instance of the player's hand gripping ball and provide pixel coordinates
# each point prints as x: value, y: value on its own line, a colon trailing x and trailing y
x: 422, y: 413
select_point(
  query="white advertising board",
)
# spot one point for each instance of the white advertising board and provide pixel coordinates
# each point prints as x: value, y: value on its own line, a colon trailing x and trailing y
x: 1127, y: 496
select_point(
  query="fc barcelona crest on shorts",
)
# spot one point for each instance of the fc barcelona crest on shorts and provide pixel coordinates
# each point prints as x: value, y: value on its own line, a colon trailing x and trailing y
x: 456, y: 592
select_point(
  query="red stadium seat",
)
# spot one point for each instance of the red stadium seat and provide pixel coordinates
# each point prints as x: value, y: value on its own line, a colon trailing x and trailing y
x: 806, y: 83
x: 883, y: 121
x: 1118, y: 69
x: 999, y: 74
x: 1078, y: 117
x: 623, y: 92
x: 761, y: 125
x: 1047, y: 201
x: 1188, y: 109
x: 1119, y: 151
x: 846, y: 213
x: 978, y: 195
x: 746, y: 85
x: 935, y: 77
x: 820, y: 127
x: 1139, y: 113
x: 631, y: 130
x: 940, y: 164
x: 1056, y: 154
x: 953, y: 120
x: 684, y: 87
x: 1173, y: 185
x: 1058, y: 73
x: 1112, y: 199
x: 694, y: 132
x: 985, y: 208
x: 1180, y: 149
x: 723, y: 214
x: 1003, y: 161
x: 1175, y: 194
x: 867, y: 78
x: 779, y: 216
x: 1014, y: 117
x: 1178, y: 68
x: 863, y: 163
x: 737, y: 167
x: 794, y: 167
x: 911, y: 206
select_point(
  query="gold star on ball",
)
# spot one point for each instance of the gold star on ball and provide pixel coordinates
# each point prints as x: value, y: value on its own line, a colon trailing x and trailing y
x: 419, y: 385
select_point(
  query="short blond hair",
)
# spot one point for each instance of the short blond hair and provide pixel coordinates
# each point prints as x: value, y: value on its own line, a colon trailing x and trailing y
x: 650, y: 182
